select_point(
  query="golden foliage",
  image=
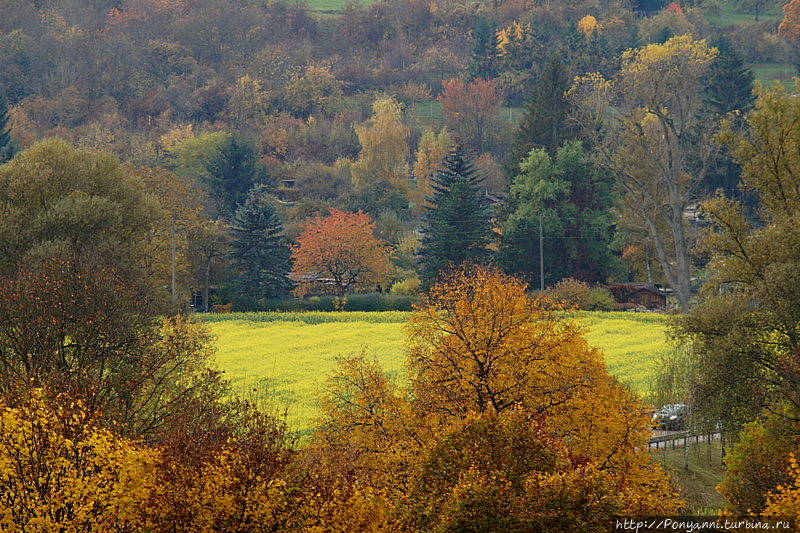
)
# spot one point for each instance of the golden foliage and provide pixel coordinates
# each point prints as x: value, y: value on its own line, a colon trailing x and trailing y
x: 384, y: 147
x: 511, y: 420
x: 61, y: 471
x: 431, y: 151
x: 789, y: 27
x: 784, y: 501
x: 587, y: 25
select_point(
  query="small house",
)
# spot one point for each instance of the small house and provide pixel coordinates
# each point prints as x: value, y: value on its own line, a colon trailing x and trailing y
x: 645, y: 295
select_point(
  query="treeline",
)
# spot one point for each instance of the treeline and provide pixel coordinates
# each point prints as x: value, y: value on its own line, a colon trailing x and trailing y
x: 356, y: 111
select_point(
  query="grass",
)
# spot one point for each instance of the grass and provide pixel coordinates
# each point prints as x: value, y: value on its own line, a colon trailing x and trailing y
x: 333, y: 5
x: 695, y: 479
x: 289, y: 355
x: 429, y: 113
x: 768, y: 73
x: 730, y: 15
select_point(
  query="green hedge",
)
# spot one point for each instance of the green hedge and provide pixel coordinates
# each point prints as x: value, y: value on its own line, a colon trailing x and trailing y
x: 374, y: 301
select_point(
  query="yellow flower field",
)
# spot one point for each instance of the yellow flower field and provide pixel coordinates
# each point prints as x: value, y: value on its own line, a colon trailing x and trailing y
x: 289, y: 355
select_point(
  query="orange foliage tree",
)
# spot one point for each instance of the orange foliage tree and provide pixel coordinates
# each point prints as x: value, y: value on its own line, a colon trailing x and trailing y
x: 511, y: 420
x: 789, y: 28
x: 470, y: 111
x: 340, y: 252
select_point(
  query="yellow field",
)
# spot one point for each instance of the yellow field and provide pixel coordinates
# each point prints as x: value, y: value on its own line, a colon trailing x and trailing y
x: 290, y: 355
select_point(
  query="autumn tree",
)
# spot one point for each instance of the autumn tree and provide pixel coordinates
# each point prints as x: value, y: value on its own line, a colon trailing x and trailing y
x: 259, y: 251
x: 789, y: 27
x: 340, y: 253
x: 177, y: 212
x: 456, y: 227
x: 62, y: 470
x: 310, y: 90
x: 384, y: 147
x: 653, y: 142
x: 743, y: 333
x: 496, y: 425
x: 431, y: 151
x: 470, y: 111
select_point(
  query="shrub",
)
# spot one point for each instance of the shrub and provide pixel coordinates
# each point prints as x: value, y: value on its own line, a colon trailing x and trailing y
x: 407, y: 287
x: 571, y: 293
x: 601, y: 299
x: 372, y: 301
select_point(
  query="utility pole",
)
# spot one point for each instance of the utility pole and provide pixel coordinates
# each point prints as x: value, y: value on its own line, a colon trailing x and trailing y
x: 541, y: 253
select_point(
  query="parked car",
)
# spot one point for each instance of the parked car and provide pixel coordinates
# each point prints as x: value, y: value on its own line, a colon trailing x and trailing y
x: 671, y: 417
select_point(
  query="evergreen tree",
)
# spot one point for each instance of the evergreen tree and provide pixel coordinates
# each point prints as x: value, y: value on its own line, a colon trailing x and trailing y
x: 648, y: 6
x: 572, y: 198
x: 260, y: 255
x: 232, y: 173
x: 544, y: 124
x: 456, y: 226
x: 7, y: 147
x: 729, y: 88
x: 484, y: 50
x: 730, y: 82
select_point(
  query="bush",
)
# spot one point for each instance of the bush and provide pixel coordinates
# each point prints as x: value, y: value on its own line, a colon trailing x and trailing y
x: 601, y: 299
x: 407, y: 287
x: 373, y: 301
x: 571, y: 293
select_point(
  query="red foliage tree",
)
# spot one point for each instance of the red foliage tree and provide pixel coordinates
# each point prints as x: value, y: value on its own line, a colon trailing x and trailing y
x: 674, y: 7
x: 339, y: 251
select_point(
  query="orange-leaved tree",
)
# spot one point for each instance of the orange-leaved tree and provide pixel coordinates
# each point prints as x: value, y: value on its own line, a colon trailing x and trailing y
x: 339, y: 253
x: 789, y: 28
x: 470, y: 111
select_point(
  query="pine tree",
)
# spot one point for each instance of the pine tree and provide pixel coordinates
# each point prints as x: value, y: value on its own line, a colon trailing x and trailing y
x: 260, y: 255
x: 484, y: 50
x: 730, y: 82
x: 729, y: 88
x: 544, y: 124
x: 7, y: 147
x: 232, y: 173
x: 456, y: 227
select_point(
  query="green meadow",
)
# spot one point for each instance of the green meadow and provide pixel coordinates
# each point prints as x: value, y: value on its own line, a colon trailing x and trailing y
x: 333, y: 5
x: 288, y: 356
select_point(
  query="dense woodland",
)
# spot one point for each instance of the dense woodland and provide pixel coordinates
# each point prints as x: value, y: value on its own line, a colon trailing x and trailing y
x: 155, y: 149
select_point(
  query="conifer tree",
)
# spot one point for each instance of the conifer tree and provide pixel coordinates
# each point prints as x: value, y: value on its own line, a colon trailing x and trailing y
x: 456, y: 227
x: 260, y: 254
x: 7, y: 147
x: 484, y: 50
x: 729, y: 88
x: 730, y: 82
x: 544, y: 124
x: 232, y: 173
